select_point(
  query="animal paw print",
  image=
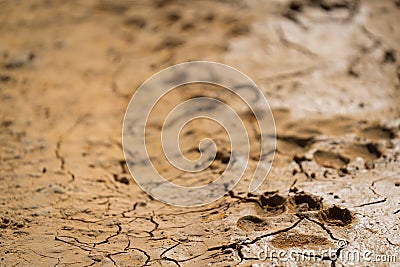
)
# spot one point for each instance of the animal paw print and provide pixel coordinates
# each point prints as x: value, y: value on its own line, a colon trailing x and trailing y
x: 273, y: 204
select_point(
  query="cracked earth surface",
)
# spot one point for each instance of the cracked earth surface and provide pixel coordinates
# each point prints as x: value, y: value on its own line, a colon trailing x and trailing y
x: 330, y: 70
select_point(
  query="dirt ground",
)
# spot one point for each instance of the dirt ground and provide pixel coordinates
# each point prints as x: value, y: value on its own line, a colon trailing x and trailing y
x: 329, y: 68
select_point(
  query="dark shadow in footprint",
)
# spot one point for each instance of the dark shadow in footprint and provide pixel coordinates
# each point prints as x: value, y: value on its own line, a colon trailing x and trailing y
x: 272, y: 203
x: 302, y: 202
x: 369, y: 151
x: 337, y: 216
x: 252, y: 223
x: 291, y: 145
x: 330, y: 159
x: 377, y: 132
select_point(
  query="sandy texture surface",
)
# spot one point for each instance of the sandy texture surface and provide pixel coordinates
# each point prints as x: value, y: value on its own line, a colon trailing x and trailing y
x: 330, y: 70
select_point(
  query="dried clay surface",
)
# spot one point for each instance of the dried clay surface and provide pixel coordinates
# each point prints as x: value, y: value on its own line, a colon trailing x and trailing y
x: 329, y: 68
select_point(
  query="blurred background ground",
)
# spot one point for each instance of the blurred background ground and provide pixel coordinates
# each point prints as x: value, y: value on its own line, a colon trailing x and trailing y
x: 330, y: 70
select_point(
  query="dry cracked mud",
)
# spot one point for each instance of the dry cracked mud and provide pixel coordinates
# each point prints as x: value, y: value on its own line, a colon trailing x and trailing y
x: 330, y: 70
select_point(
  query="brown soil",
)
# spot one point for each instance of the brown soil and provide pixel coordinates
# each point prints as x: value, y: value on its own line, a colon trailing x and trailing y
x: 329, y: 68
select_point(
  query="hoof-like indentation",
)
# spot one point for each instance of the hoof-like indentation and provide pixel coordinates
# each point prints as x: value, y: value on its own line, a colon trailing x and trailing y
x: 369, y: 151
x: 378, y: 132
x: 330, y: 159
x: 302, y: 202
x: 252, y: 223
x: 273, y: 203
x: 292, y: 144
x: 337, y: 216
